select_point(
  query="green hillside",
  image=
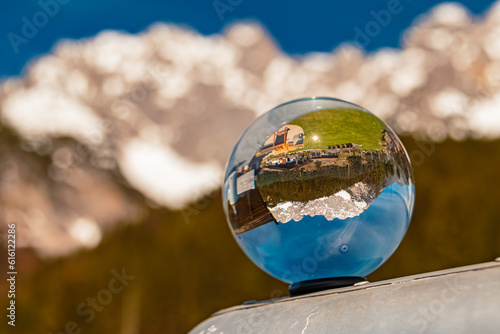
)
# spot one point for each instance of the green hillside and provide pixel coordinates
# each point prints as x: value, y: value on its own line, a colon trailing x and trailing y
x: 340, y: 126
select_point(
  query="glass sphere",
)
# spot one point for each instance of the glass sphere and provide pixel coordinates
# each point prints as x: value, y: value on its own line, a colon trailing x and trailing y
x: 318, y: 188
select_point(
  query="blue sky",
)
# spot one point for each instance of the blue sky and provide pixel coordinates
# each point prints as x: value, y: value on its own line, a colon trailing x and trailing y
x: 297, y: 26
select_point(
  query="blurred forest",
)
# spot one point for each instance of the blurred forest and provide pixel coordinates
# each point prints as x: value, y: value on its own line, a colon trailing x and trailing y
x: 186, y: 264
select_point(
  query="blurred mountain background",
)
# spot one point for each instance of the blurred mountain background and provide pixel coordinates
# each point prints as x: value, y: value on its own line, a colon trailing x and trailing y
x: 112, y: 144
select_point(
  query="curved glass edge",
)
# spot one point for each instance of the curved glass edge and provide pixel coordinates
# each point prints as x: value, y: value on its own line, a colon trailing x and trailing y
x: 265, y: 125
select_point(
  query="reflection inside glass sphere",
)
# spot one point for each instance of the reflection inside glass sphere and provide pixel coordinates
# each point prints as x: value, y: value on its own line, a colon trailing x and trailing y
x: 318, y: 188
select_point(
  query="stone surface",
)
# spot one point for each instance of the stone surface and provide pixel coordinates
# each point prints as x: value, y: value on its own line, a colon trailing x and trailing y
x: 459, y: 300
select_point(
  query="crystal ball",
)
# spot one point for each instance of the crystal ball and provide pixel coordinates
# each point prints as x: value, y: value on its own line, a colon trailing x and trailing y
x: 318, y: 188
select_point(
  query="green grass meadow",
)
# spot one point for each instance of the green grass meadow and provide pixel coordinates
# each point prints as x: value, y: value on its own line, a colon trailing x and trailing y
x: 340, y: 126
